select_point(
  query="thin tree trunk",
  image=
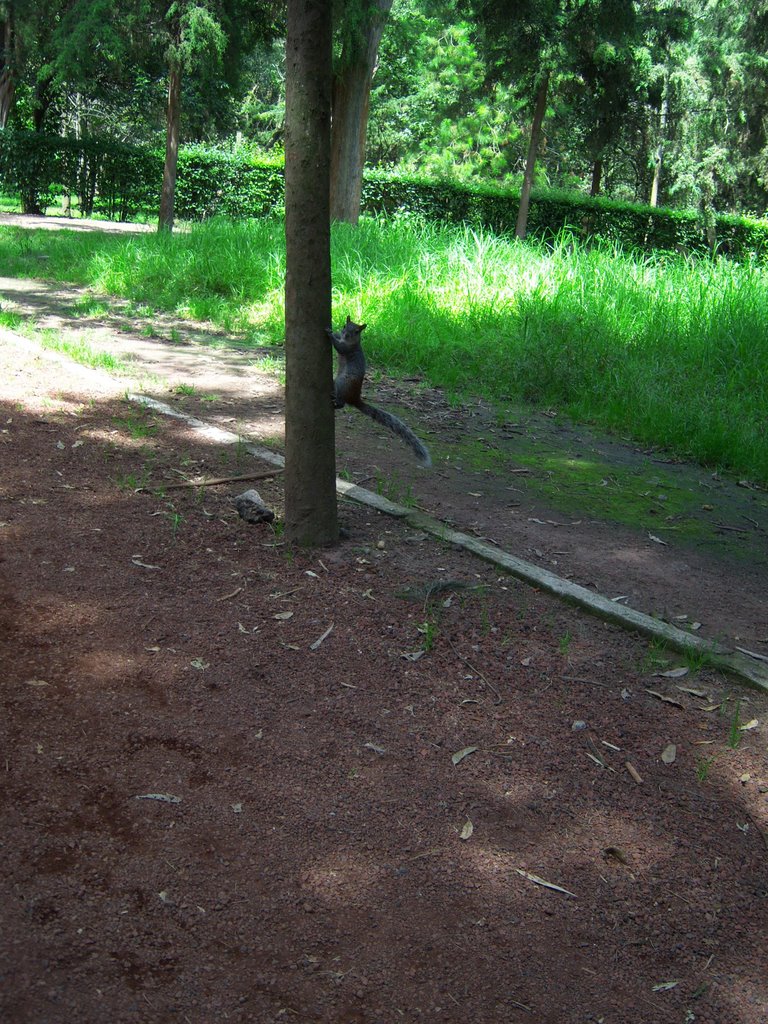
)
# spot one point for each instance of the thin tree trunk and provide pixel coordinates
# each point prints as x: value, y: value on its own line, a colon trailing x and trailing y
x: 42, y: 101
x: 539, y: 110
x: 310, y: 465
x: 351, y: 102
x: 597, y: 176
x: 657, y: 162
x: 7, y: 83
x: 658, y: 158
x: 168, y: 193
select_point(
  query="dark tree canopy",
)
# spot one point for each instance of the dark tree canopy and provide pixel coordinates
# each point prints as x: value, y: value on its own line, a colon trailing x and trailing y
x: 646, y: 100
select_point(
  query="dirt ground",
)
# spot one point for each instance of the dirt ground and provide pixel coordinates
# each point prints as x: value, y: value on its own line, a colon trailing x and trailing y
x: 247, y: 783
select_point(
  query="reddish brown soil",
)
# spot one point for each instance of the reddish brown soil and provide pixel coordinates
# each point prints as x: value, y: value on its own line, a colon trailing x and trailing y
x: 312, y: 859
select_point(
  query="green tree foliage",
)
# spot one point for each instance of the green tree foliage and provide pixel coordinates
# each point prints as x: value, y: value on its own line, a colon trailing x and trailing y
x: 646, y: 99
x: 260, y: 112
x: 719, y: 101
x: 194, y: 41
x: 639, y: 90
x: 431, y: 109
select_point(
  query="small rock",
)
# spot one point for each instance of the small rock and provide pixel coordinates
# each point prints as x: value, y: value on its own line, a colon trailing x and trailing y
x: 578, y: 725
x: 251, y: 508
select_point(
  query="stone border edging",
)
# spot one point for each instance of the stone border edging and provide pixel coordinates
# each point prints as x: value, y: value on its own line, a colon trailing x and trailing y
x: 750, y: 670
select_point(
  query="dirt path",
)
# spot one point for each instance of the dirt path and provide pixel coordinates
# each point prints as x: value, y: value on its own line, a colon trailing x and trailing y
x: 247, y: 784
x: 671, y: 540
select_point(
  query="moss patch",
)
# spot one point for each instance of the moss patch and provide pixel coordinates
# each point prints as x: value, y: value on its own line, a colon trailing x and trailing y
x: 583, y: 476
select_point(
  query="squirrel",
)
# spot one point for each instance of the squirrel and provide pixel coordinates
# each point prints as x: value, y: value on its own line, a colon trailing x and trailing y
x: 348, y: 386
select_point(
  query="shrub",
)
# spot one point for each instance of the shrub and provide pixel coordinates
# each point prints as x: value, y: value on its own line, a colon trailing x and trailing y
x: 30, y: 167
x: 211, y: 182
x: 120, y: 180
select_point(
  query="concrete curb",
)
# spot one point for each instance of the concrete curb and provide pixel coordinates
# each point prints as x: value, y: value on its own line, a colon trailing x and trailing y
x: 749, y: 670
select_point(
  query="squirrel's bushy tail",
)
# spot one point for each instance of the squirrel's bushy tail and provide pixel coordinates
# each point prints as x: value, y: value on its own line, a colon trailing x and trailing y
x: 386, y: 419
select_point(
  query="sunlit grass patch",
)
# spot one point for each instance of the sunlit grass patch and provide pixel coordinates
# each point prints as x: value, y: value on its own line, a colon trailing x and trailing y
x: 671, y: 351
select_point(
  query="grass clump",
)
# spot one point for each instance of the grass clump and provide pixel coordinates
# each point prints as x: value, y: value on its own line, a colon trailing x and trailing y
x: 77, y: 349
x: 670, y: 350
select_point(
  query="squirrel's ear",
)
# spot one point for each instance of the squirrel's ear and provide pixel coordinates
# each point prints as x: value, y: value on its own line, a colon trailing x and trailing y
x: 349, y: 319
x: 363, y: 326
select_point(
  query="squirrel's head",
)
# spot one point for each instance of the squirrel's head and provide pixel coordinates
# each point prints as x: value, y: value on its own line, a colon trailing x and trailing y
x: 352, y: 326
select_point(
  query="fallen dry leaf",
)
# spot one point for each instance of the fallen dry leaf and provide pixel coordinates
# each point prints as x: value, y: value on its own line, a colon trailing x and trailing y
x: 165, y: 798
x: 461, y: 754
x: 412, y: 655
x: 694, y: 693
x: 667, y: 700
x: 542, y: 881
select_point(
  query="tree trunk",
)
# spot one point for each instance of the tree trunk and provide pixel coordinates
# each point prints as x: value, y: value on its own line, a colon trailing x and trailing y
x: 7, y: 84
x: 351, y: 99
x: 539, y: 110
x: 310, y: 465
x: 657, y: 162
x: 597, y: 176
x: 168, y: 193
x: 43, y: 97
x: 658, y: 157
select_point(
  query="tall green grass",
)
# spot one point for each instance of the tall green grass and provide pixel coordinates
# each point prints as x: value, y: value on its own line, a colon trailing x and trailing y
x: 669, y: 350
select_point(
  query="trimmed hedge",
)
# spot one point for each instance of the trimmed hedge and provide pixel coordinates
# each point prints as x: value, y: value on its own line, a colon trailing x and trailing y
x: 631, y: 225
x: 120, y: 180
x: 30, y: 167
x: 111, y: 177
x: 211, y: 182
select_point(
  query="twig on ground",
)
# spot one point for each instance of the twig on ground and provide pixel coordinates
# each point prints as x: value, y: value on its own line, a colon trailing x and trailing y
x: 215, y: 481
x: 477, y: 671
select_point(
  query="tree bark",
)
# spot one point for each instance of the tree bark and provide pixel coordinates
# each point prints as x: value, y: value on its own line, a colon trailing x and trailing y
x: 658, y: 157
x: 310, y: 465
x: 539, y: 110
x: 7, y: 83
x: 597, y: 176
x: 43, y: 97
x: 350, y: 106
x: 168, y: 193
